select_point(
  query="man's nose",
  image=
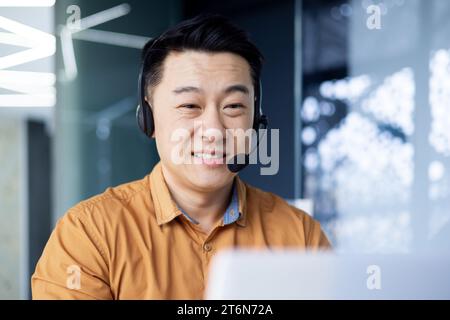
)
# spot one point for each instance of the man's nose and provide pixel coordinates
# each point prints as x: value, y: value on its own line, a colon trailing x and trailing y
x: 212, y: 125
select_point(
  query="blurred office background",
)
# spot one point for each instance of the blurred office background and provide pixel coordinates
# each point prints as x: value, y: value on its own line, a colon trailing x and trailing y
x: 359, y: 89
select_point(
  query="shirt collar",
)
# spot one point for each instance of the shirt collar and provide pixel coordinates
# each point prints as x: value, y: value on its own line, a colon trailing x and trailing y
x: 166, y: 209
x: 231, y: 214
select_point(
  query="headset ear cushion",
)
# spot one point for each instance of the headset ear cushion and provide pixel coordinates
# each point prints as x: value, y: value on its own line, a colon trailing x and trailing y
x: 146, y: 125
x: 140, y: 118
x: 149, y: 121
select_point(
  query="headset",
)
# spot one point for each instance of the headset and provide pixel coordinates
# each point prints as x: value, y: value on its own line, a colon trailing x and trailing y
x: 144, y: 114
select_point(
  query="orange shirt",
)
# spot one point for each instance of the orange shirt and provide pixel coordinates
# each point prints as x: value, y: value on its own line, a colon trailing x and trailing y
x: 133, y: 242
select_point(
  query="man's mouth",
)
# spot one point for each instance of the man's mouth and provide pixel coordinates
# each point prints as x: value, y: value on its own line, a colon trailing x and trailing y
x: 208, y: 155
x: 209, y: 158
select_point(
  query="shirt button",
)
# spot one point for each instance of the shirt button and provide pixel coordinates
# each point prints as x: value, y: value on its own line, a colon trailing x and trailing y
x: 232, y: 212
x: 207, y: 247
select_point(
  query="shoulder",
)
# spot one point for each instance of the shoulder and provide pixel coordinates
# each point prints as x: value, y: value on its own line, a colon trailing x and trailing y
x: 277, y: 211
x: 113, y: 202
x: 99, y: 219
x: 104, y: 215
x: 270, y: 202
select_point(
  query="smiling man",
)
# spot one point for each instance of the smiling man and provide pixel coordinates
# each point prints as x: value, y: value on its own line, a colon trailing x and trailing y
x: 154, y: 238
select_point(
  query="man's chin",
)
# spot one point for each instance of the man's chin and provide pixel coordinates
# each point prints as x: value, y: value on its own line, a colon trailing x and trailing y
x: 206, y: 177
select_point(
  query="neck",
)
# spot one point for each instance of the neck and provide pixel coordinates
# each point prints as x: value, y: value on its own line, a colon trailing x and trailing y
x: 205, y: 207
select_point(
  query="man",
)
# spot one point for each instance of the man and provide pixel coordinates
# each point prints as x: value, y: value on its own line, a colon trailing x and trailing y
x: 154, y: 238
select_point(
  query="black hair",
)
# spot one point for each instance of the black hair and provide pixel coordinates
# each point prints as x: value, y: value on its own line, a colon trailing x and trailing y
x: 207, y: 33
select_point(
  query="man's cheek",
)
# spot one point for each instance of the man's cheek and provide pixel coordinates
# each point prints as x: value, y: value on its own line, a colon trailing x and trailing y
x: 178, y: 147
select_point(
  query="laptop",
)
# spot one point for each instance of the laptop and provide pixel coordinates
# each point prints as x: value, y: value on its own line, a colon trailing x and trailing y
x: 292, y: 274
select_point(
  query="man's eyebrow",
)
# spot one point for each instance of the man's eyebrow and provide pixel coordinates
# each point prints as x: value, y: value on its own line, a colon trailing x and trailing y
x: 233, y: 88
x: 238, y: 88
x: 186, y: 89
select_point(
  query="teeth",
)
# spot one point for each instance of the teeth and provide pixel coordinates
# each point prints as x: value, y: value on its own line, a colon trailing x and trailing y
x: 208, y: 155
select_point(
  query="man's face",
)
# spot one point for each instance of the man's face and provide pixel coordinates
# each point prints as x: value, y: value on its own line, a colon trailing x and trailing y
x: 201, y: 94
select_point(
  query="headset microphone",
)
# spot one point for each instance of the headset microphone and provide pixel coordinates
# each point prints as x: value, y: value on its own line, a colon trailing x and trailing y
x: 242, y: 160
x: 237, y: 164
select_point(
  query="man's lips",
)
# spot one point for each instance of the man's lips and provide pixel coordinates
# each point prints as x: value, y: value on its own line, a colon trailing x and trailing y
x: 208, y: 154
x: 211, y: 158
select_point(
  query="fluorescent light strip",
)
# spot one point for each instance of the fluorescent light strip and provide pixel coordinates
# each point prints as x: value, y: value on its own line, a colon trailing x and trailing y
x: 26, y: 56
x: 112, y: 38
x: 27, y: 3
x: 104, y: 16
x: 15, y: 40
x: 43, y: 44
x: 70, y: 63
x: 27, y: 100
x: 37, y: 89
x: 28, y: 89
x: 27, y: 78
x: 33, y: 35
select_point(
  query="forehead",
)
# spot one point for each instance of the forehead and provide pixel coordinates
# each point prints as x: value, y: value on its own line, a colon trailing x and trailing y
x: 198, y: 66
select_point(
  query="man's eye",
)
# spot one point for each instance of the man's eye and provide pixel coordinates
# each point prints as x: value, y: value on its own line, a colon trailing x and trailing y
x: 235, y: 106
x: 189, y: 106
